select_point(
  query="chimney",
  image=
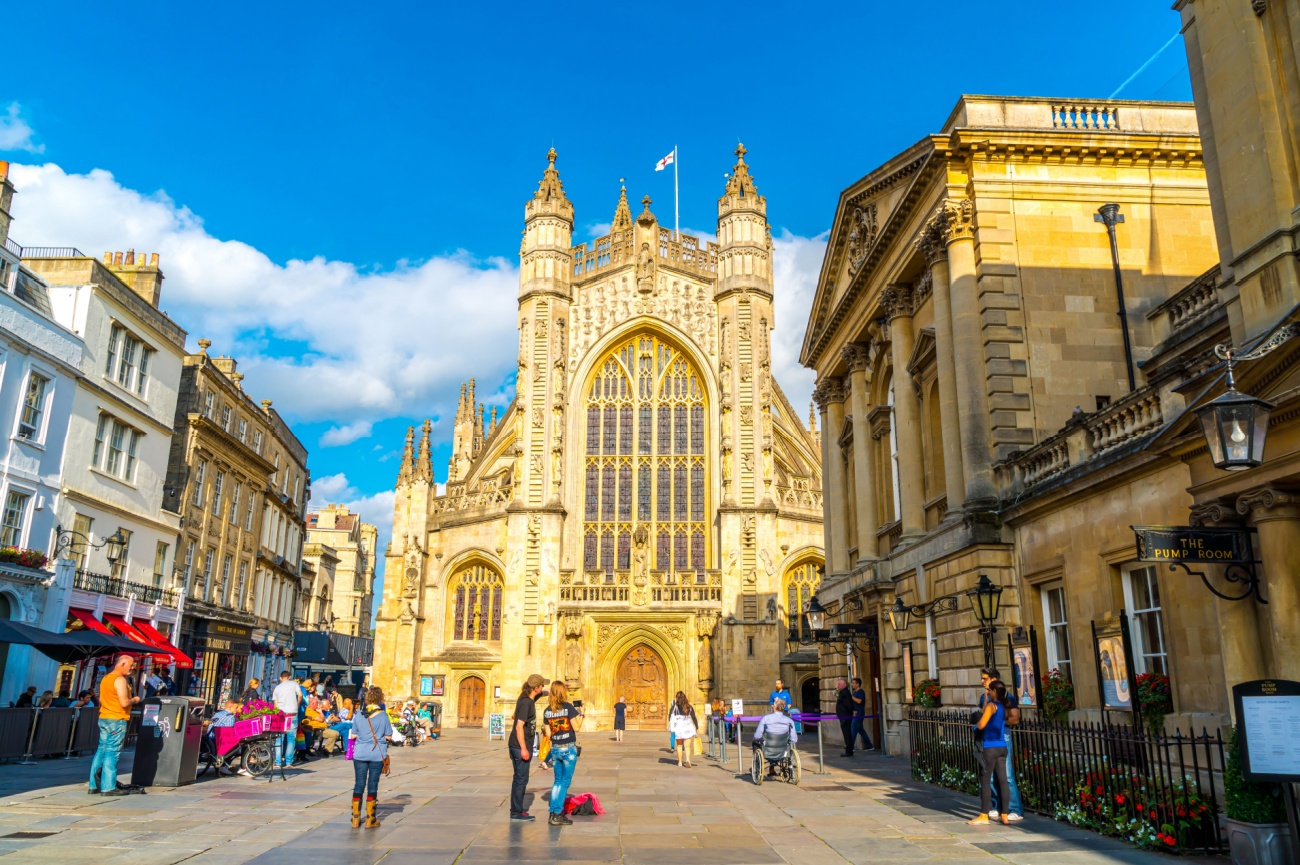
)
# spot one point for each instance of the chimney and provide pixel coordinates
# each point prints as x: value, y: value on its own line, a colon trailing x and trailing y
x: 144, y: 279
x: 4, y: 169
x: 225, y: 364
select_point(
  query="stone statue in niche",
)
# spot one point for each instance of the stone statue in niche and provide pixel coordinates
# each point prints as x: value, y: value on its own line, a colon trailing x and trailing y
x: 744, y: 330
x: 746, y: 461
x: 645, y: 270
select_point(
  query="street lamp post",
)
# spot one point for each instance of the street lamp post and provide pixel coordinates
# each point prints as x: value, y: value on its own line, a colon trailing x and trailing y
x: 986, y: 602
x: 1109, y: 215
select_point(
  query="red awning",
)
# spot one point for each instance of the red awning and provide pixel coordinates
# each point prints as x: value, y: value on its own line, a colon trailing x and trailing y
x: 132, y: 632
x: 88, y: 620
x: 153, y: 635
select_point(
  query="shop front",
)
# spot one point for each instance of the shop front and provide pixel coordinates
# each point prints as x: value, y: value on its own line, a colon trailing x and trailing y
x: 221, y: 653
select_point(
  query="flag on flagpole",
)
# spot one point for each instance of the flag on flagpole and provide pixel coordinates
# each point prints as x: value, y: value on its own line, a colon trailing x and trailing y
x: 666, y: 161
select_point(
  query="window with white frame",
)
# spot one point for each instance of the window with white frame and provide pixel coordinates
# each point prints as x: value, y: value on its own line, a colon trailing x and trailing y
x: 208, y: 558
x: 931, y: 649
x: 242, y: 586
x: 248, y: 513
x: 1057, y: 626
x: 233, y: 514
x: 29, y: 423
x: 200, y: 473
x: 81, y: 539
x: 257, y: 441
x: 225, y: 418
x: 243, y: 430
x: 159, y: 562
x: 128, y: 360
x: 189, y: 563
x: 224, y: 590
x: 1142, y: 597
x: 209, y: 399
x: 13, y: 519
x: 218, y: 482
x: 116, y: 446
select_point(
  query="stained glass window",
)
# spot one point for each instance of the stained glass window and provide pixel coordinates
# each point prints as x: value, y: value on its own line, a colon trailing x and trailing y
x: 477, y: 612
x: 624, y: 551
x: 645, y: 409
x: 625, y: 492
x: 607, y: 494
x: 801, y: 584
x: 593, y: 492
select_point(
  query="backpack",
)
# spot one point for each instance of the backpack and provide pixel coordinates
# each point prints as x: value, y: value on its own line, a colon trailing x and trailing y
x: 583, y: 805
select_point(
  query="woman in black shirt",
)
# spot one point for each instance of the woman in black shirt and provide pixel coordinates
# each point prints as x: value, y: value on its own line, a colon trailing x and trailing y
x: 562, y: 719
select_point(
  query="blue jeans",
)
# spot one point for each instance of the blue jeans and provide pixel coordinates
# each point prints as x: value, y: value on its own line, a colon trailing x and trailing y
x: 860, y: 729
x: 564, y: 758
x: 288, y: 742
x: 1016, y: 807
x: 367, y: 777
x: 103, y: 768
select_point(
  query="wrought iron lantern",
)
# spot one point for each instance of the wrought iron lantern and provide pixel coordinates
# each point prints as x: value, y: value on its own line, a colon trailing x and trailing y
x: 1235, y: 424
x: 900, y: 615
x: 986, y: 598
x: 816, y: 614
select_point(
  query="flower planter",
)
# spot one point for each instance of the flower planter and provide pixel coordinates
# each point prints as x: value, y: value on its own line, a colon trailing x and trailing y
x: 249, y: 727
x: 1258, y: 843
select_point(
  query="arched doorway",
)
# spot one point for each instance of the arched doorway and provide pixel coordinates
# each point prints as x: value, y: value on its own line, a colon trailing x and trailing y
x: 642, y: 681
x: 810, y: 699
x: 469, y: 702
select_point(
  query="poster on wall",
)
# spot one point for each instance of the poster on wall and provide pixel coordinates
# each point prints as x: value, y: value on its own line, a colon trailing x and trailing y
x: 496, y: 726
x: 1268, y: 712
x: 909, y: 686
x: 1114, y: 672
x: 1026, y: 681
x: 438, y: 684
x: 426, y: 686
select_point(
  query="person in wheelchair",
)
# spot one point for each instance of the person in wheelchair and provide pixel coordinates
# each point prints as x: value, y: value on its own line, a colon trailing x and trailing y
x: 771, y: 727
x: 224, y: 717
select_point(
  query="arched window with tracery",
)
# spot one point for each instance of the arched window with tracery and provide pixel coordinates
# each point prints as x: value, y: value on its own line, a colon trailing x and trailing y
x: 801, y: 584
x: 645, y: 459
x: 476, y: 607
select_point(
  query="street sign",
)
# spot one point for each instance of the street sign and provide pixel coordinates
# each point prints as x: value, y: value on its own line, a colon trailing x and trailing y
x: 737, y: 708
x: 1268, y: 711
x: 1188, y: 544
x: 496, y: 726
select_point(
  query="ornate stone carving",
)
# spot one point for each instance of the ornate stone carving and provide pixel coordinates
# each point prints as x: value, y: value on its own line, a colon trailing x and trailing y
x: 1259, y: 502
x: 933, y: 240
x: 862, y: 234
x: 605, y: 633
x: 858, y: 356
x: 829, y: 390
x: 959, y: 217
x: 897, y: 300
x: 1212, y: 514
x: 599, y: 308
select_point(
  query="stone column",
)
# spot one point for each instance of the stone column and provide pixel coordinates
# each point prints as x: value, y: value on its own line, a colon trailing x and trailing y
x: 830, y: 395
x: 1239, y: 623
x: 1276, y: 515
x: 935, y: 250
x: 828, y: 533
x: 864, y: 475
x: 907, y: 415
x: 967, y: 343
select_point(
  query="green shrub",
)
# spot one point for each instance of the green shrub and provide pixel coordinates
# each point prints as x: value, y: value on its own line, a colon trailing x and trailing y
x: 1244, y: 800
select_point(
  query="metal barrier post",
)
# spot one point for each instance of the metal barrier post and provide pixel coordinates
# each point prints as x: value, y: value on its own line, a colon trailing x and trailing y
x: 740, y: 752
x: 72, y: 737
x: 31, y: 737
x: 722, y: 753
x: 821, y: 754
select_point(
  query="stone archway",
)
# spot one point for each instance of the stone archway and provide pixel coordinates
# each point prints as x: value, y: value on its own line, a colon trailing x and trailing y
x: 641, y: 678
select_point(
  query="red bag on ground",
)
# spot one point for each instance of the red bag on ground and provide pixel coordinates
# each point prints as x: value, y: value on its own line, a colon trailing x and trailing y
x: 583, y: 805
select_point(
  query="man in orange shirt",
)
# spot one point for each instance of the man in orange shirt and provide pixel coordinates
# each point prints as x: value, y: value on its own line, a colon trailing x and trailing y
x: 115, y: 702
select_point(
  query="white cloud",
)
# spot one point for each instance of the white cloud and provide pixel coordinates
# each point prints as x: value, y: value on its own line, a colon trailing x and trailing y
x: 346, y: 435
x: 797, y: 262
x: 367, y: 334
x: 15, y: 132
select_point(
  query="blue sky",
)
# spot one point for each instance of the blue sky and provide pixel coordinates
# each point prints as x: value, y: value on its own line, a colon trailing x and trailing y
x: 337, y: 190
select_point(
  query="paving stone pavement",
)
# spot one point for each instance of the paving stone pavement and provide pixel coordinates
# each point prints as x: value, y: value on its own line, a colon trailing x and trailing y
x: 447, y: 802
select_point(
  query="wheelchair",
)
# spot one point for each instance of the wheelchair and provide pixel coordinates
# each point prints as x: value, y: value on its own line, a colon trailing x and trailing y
x: 777, y: 755
x: 254, y: 755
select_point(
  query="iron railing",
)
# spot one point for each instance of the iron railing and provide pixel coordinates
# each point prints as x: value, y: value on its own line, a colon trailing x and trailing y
x: 106, y: 584
x: 13, y: 247
x: 1153, y: 789
x: 52, y: 252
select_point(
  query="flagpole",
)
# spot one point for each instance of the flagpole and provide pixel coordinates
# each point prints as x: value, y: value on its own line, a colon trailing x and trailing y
x: 676, y: 212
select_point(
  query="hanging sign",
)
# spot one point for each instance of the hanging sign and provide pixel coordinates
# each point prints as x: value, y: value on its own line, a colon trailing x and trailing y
x: 1188, y: 544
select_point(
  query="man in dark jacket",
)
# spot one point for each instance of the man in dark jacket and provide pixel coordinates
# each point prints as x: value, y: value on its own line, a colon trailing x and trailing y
x: 844, y: 714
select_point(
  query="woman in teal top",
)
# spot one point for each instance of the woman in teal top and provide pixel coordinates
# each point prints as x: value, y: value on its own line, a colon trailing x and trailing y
x: 991, y: 726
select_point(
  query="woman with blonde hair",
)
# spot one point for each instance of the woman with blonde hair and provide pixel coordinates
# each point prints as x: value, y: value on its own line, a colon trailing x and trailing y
x: 684, y: 726
x: 561, y: 719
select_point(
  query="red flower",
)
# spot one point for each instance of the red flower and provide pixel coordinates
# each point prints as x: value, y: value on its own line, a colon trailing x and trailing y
x: 1138, y: 807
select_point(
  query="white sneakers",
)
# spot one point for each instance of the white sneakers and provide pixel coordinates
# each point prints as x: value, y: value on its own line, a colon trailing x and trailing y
x: 1014, y: 817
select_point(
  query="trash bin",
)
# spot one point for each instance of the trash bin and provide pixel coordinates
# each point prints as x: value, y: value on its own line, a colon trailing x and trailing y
x: 167, y: 749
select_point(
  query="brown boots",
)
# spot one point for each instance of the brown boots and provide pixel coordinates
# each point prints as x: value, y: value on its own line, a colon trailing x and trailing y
x: 371, y: 820
x: 356, y: 811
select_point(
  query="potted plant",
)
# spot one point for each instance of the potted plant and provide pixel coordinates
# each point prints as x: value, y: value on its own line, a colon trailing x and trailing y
x: 1254, y: 813
x: 1058, y: 696
x: 927, y: 694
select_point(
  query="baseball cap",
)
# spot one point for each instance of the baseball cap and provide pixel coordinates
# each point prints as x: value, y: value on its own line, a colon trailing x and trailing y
x: 535, y: 681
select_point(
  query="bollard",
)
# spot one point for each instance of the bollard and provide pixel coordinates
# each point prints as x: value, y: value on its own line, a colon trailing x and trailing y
x: 31, y: 737
x: 821, y: 754
x: 740, y: 752
x: 723, y: 752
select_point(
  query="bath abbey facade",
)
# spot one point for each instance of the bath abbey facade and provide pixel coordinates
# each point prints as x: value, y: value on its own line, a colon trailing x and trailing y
x: 646, y: 516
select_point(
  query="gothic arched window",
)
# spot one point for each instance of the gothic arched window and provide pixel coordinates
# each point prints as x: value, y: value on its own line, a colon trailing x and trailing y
x: 476, y: 606
x: 645, y: 459
x: 801, y: 584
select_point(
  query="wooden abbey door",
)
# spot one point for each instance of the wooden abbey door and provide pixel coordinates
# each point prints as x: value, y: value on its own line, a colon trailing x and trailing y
x: 642, y: 682
x: 469, y: 704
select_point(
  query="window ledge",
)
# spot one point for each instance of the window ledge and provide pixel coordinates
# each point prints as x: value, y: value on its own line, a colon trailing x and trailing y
x: 31, y: 443
x: 114, y: 478
x: 142, y: 399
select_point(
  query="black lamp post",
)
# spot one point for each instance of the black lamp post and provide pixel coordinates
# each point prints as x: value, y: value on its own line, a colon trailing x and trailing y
x: 985, y: 599
x: 1235, y: 423
x: 1109, y: 215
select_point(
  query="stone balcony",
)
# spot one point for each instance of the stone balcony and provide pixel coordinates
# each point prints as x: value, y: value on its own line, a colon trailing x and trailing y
x: 617, y: 589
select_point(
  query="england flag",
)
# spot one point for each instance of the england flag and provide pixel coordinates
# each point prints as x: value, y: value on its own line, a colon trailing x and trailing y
x: 666, y: 161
